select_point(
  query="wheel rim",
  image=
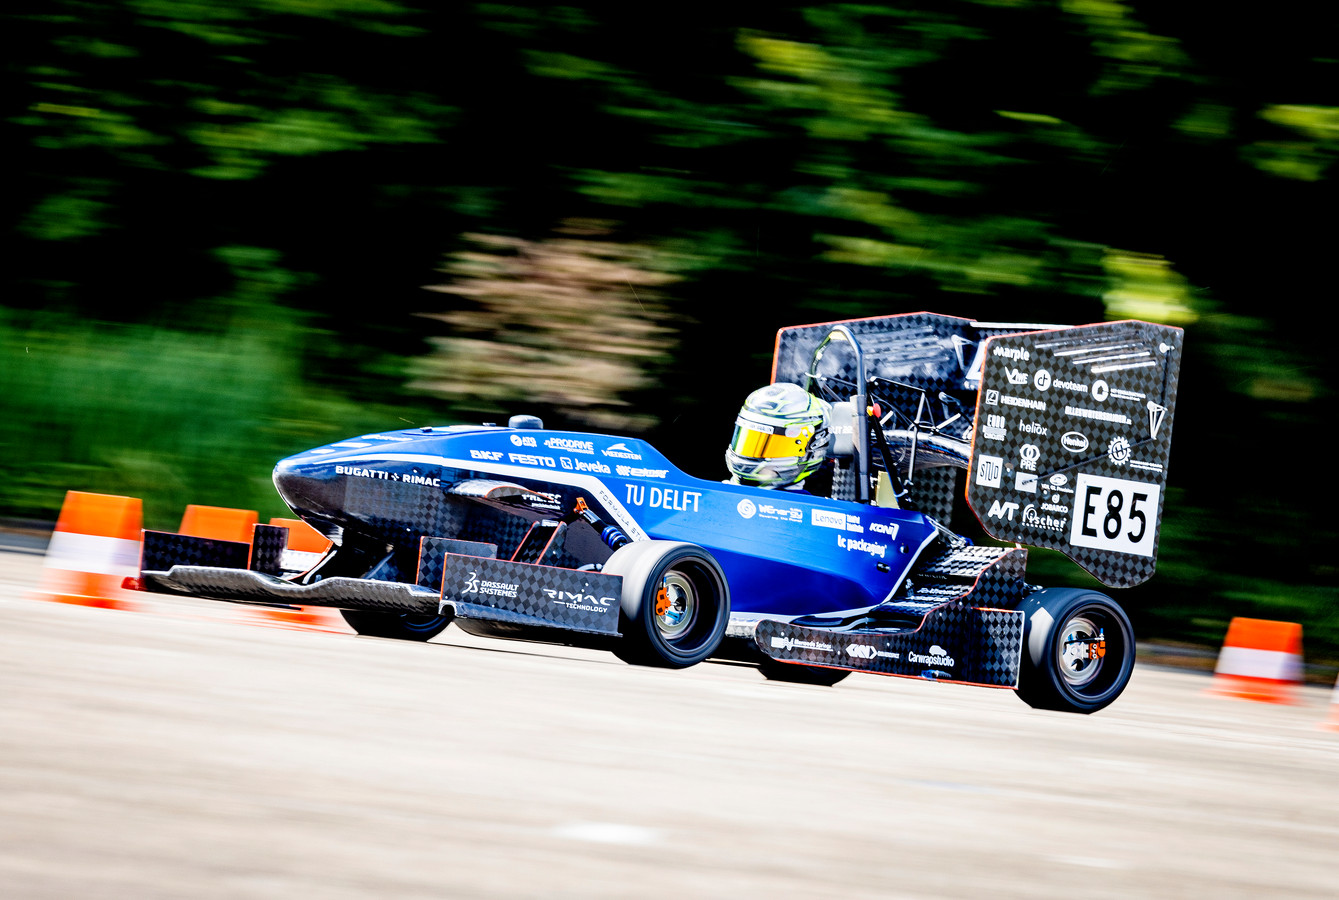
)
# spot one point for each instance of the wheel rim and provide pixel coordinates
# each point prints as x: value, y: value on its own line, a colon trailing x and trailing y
x: 1079, y: 661
x: 680, y: 606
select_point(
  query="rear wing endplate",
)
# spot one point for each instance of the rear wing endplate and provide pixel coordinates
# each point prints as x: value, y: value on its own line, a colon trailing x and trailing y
x: 1071, y: 443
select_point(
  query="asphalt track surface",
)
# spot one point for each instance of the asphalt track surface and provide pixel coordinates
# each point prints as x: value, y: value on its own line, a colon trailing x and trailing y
x: 184, y: 751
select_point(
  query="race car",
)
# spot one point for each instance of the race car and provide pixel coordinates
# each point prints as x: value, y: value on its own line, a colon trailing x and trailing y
x: 1055, y: 437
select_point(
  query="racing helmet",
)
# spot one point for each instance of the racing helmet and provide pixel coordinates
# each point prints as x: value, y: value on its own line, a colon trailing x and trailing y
x: 781, y: 436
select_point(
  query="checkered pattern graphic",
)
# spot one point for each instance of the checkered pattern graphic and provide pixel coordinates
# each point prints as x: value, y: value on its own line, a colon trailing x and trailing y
x: 163, y: 549
x: 268, y: 544
x: 397, y: 513
x: 432, y: 553
x: 1085, y: 408
x: 521, y: 593
x: 955, y: 642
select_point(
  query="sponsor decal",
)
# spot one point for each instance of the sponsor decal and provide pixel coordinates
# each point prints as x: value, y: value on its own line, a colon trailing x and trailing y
x: 579, y: 601
x: 386, y: 437
x: 529, y: 459
x: 635, y: 471
x: 1016, y: 376
x: 1034, y: 519
x: 935, y: 656
x: 1026, y: 482
x: 868, y: 651
x: 746, y: 508
x: 584, y: 465
x: 1100, y: 391
x: 861, y: 545
x: 988, y: 471
x: 1000, y: 510
x: 490, y: 455
x: 378, y: 474
x: 1029, y: 454
x: 1017, y: 354
x: 888, y: 528
x: 1022, y: 402
x: 1057, y: 480
x: 352, y: 445
x: 570, y: 445
x: 657, y: 497
x: 1034, y: 428
x: 490, y: 588
x: 825, y: 518
x: 789, y: 643
x: 1118, y: 451
x: 853, y: 524
x: 1097, y: 415
x: 782, y: 513
x: 1156, y: 413
x: 524, y: 440
x: 992, y: 397
x: 1119, y: 394
x: 1076, y: 386
x: 621, y: 451
x: 1041, y: 380
x: 1074, y: 441
x: 1055, y: 508
x: 993, y: 430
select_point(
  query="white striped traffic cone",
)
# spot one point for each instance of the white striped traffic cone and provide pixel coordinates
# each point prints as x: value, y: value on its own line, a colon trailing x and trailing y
x: 95, y: 547
x: 1260, y: 660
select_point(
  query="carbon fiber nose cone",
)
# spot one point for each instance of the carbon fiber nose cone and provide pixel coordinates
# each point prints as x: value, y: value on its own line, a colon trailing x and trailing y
x: 310, y: 487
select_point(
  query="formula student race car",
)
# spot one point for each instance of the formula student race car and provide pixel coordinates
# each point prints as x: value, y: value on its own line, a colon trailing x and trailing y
x: 1055, y: 437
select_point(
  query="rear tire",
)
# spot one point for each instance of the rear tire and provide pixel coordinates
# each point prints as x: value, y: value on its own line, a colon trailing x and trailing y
x: 1078, y: 650
x: 675, y: 603
x: 401, y: 626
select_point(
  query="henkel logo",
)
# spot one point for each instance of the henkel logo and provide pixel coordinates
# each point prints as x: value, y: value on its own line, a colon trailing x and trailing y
x: 1074, y: 442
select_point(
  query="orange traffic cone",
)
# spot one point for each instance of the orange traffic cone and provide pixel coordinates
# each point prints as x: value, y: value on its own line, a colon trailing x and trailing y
x: 1333, y: 722
x: 1260, y: 660
x: 219, y: 523
x: 96, y: 546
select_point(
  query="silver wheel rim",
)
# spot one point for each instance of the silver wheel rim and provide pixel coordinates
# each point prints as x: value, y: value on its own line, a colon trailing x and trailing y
x: 682, y: 610
x: 1077, y: 663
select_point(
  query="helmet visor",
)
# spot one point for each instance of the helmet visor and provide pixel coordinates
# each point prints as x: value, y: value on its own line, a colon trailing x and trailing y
x: 754, y: 440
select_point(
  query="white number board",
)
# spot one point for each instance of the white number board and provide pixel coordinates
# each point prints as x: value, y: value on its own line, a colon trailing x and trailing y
x: 1115, y: 514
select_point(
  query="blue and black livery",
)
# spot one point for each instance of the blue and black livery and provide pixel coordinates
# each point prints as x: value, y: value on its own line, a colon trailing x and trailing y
x: 601, y: 541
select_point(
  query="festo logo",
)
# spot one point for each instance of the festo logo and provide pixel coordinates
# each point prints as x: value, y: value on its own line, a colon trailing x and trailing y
x: 937, y: 656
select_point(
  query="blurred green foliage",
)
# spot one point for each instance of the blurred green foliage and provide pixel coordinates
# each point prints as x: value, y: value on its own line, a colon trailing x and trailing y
x: 223, y: 217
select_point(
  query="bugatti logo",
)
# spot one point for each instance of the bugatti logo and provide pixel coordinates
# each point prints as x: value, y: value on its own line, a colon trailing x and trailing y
x: 1074, y: 442
x: 746, y: 508
x: 861, y: 651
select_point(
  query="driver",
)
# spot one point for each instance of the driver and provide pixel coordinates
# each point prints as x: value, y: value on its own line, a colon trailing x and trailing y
x: 781, y: 438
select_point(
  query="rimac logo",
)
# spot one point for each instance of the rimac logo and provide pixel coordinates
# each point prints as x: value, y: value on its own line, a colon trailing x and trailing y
x: 621, y: 450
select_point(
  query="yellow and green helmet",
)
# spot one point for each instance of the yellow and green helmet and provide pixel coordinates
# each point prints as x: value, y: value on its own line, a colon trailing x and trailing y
x: 781, y: 436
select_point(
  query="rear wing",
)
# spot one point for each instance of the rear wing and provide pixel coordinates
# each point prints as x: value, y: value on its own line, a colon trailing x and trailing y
x: 1063, y: 433
x: 1073, y: 434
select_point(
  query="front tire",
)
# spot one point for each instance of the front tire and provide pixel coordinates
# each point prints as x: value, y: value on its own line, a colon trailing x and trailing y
x: 675, y: 603
x: 1078, y: 650
x: 401, y: 626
